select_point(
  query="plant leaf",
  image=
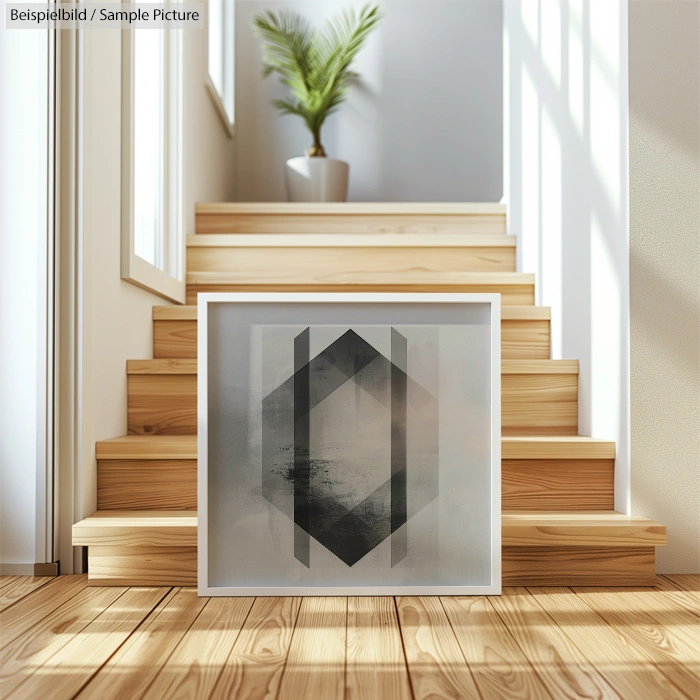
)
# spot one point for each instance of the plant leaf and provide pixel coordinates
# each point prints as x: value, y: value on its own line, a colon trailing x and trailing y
x: 315, y: 65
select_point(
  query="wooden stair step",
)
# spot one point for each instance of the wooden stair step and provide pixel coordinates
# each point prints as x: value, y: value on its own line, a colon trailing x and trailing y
x: 525, y: 332
x: 351, y: 217
x: 568, y: 473
x: 263, y: 255
x: 162, y: 447
x: 290, y: 241
x: 539, y: 366
x: 538, y: 397
x: 597, y: 548
x: 189, y: 366
x: 559, y: 447
x: 603, y: 548
x: 137, y: 528
x: 541, y: 528
x: 162, y: 366
x: 515, y: 288
x: 148, y: 447
x: 586, y: 529
x: 188, y: 312
x: 137, y: 472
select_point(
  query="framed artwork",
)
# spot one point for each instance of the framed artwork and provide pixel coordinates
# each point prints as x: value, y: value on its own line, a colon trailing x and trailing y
x: 349, y: 444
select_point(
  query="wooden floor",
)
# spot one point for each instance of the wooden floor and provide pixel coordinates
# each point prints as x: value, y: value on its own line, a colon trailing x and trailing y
x: 60, y: 638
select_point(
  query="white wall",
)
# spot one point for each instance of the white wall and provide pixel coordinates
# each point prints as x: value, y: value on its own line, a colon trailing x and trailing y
x: 117, y: 322
x: 23, y: 240
x: 425, y: 123
x: 664, y: 51
x: 566, y: 152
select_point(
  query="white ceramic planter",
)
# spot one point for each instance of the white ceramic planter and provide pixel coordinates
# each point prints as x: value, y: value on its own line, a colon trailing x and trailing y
x: 317, y: 179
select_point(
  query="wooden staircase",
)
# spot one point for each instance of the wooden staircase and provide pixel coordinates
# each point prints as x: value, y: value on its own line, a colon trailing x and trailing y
x: 559, y: 526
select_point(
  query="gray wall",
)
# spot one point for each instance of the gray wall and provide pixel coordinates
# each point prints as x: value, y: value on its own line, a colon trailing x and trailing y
x: 664, y: 71
x: 425, y: 123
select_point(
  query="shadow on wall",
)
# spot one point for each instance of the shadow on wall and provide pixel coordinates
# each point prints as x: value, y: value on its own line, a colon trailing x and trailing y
x: 567, y: 182
x: 424, y: 124
x: 664, y: 90
x: 667, y: 317
x: 665, y: 272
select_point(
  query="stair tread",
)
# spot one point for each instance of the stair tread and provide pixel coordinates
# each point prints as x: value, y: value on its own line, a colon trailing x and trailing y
x: 189, y: 366
x: 425, y: 278
x: 516, y: 313
x: 349, y: 240
x: 580, y: 529
x: 556, y: 447
x: 144, y: 447
x: 356, y: 208
x: 539, y: 366
x: 519, y: 529
x: 163, y: 366
x: 145, y: 528
x: 589, y: 518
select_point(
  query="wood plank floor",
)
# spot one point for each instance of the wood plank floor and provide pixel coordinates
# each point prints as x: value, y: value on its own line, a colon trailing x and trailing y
x: 60, y: 639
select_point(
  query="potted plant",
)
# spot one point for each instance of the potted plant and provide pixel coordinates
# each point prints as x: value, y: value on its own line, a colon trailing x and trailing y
x: 315, y: 65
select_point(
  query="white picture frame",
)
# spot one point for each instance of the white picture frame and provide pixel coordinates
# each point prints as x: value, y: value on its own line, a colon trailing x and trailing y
x: 205, y: 301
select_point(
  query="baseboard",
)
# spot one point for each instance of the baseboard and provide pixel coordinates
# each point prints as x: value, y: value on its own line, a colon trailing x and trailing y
x: 51, y: 569
x: 16, y: 569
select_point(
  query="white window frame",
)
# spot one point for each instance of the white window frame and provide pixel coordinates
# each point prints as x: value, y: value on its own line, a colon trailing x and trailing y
x: 134, y: 268
x: 226, y: 114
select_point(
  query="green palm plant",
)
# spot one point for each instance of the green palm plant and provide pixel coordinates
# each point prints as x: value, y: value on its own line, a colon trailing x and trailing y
x: 314, y: 64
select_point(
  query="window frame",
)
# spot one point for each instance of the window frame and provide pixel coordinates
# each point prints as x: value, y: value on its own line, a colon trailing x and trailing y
x: 134, y: 268
x: 227, y: 62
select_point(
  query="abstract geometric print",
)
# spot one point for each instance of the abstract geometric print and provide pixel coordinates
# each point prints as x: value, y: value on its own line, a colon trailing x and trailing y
x: 350, y: 446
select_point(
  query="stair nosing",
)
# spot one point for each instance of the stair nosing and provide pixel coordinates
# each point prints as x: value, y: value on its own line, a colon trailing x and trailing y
x: 189, y: 366
x: 445, y: 209
x: 350, y: 240
x: 534, y: 449
x: 532, y: 529
x: 188, y: 312
x: 425, y: 278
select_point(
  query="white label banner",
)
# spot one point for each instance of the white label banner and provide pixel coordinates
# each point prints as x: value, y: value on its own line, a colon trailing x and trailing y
x: 166, y: 15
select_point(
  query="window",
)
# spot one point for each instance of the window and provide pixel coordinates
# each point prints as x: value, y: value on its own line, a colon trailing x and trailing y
x: 152, y: 226
x: 221, y: 59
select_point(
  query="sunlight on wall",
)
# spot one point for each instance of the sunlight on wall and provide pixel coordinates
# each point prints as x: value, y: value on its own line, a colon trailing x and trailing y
x: 550, y: 41
x: 23, y: 221
x: 566, y: 173
x: 550, y: 251
x: 575, y: 72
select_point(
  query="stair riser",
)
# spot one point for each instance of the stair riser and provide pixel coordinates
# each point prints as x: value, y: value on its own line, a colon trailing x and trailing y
x: 557, y: 484
x: 578, y: 566
x: 264, y: 261
x: 539, y: 404
x: 522, y: 566
x: 526, y: 485
x: 348, y: 223
x: 532, y: 404
x: 511, y: 295
x: 142, y: 566
x: 162, y: 404
x: 147, y: 484
x: 520, y: 340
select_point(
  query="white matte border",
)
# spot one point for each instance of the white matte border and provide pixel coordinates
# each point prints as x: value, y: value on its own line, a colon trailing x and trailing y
x: 203, y: 301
